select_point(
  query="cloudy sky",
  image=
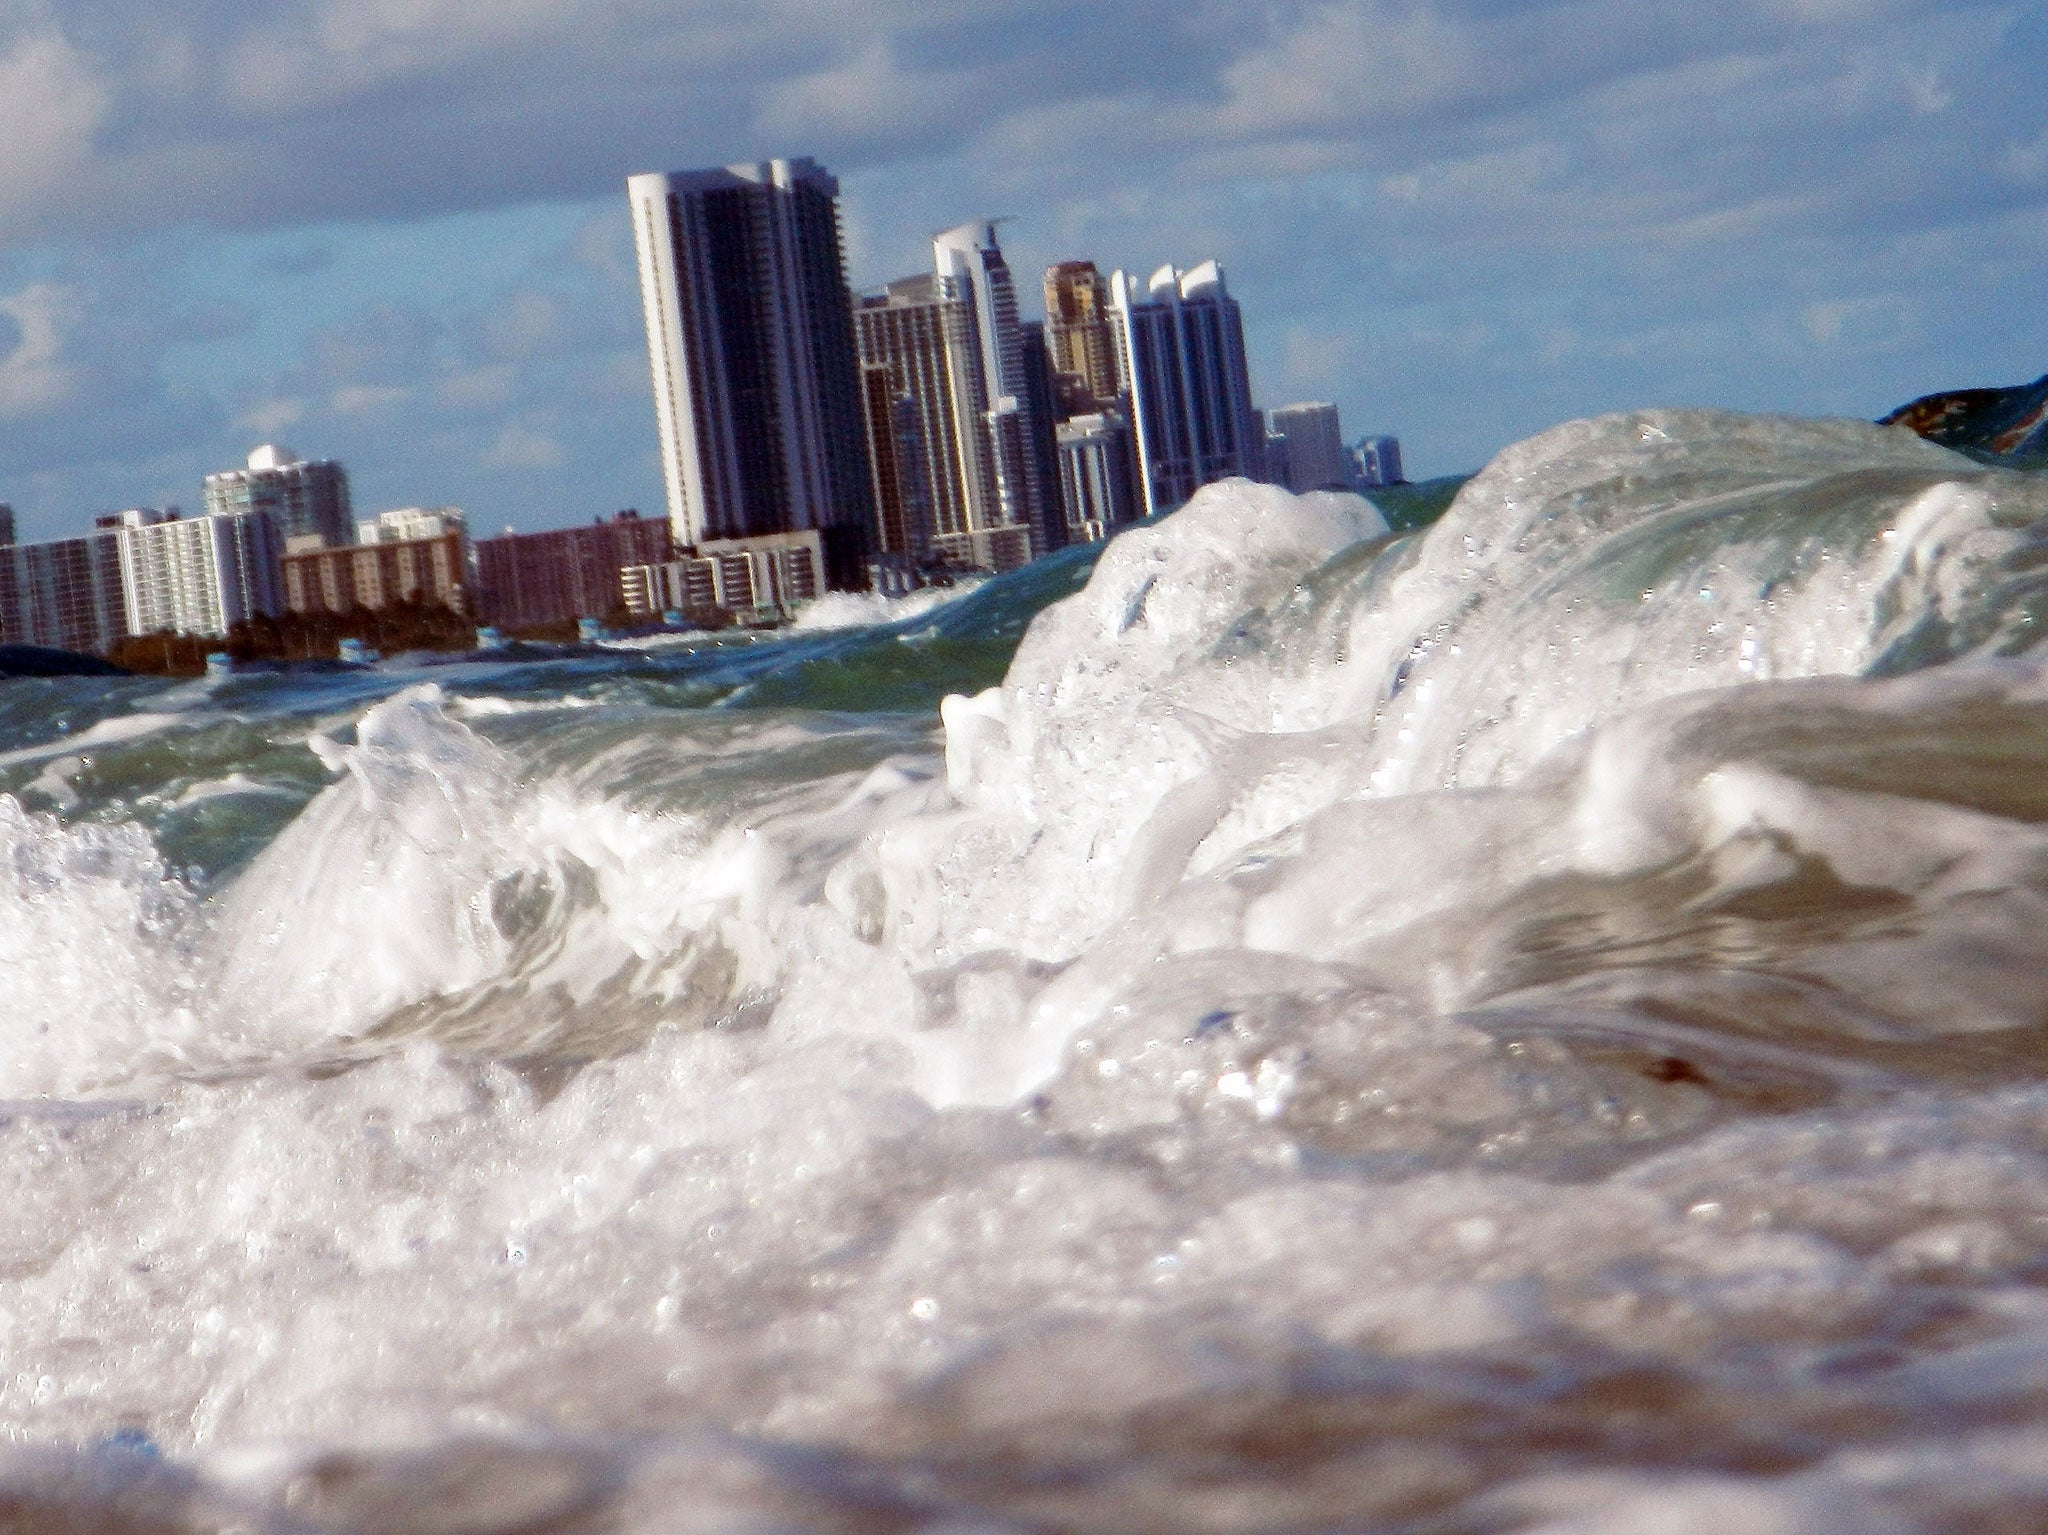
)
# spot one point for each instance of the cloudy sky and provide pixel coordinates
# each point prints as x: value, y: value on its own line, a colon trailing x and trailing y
x: 393, y: 231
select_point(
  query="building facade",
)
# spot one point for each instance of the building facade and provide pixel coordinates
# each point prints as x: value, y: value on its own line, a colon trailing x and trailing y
x: 1042, y: 415
x: 1305, y: 448
x: 754, y: 578
x: 1180, y: 341
x: 1078, y: 334
x: 412, y: 522
x: 65, y: 594
x: 968, y: 260
x: 1097, y: 484
x: 963, y: 452
x: 197, y: 575
x: 302, y: 499
x: 524, y: 580
x: 918, y: 333
x: 378, y: 574
x: 1376, y: 461
x: 750, y: 339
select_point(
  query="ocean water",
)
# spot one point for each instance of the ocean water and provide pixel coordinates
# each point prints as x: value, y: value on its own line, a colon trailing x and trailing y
x: 1533, y: 1024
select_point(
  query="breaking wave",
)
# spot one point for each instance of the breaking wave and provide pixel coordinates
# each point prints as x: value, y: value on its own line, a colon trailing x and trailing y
x: 1536, y: 1022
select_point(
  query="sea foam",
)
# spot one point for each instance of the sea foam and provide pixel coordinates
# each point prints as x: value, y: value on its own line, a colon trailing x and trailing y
x: 1531, y: 1025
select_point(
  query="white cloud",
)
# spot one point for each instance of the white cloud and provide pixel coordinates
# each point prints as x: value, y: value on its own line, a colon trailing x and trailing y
x: 35, y: 376
x: 864, y: 96
x: 51, y: 106
x: 268, y: 418
x: 523, y: 445
x: 361, y: 399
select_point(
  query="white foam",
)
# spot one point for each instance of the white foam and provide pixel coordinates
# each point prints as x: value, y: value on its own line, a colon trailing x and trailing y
x: 858, y: 610
x: 1327, y: 976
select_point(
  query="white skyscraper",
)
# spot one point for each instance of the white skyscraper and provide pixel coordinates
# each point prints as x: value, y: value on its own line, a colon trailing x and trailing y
x: 750, y: 339
x: 1181, y: 343
x: 968, y: 260
x: 198, y: 575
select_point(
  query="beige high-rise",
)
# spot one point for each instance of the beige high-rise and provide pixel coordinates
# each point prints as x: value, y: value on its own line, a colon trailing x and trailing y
x: 1077, y: 330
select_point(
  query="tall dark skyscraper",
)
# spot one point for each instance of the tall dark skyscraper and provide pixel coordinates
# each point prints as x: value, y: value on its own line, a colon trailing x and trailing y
x: 1181, y: 341
x: 757, y: 392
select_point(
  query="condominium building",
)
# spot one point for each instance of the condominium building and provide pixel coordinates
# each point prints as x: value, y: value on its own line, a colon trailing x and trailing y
x: 750, y: 339
x: 1180, y: 343
x: 918, y: 335
x: 968, y: 260
x: 962, y: 448
x: 302, y: 499
x: 197, y: 575
x: 377, y: 573
x: 1041, y: 415
x: 1097, y: 485
x: 528, y: 579
x: 1305, y: 448
x: 1077, y: 329
x: 412, y: 522
x: 897, y: 450
x: 754, y: 578
x: 65, y: 593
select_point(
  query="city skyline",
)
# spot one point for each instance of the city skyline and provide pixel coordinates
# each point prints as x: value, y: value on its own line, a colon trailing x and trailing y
x: 398, y: 244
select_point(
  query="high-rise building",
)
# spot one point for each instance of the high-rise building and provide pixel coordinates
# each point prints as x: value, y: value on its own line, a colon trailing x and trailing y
x: 1096, y: 482
x: 65, y: 594
x: 967, y: 260
x: 197, y: 575
x: 1376, y: 461
x: 968, y: 420
x: 1077, y: 329
x: 6, y: 524
x: 303, y: 499
x: 897, y: 447
x: 750, y: 337
x: 1180, y: 340
x: 919, y: 333
x: 1305, y: 448
x: 1041, y: 415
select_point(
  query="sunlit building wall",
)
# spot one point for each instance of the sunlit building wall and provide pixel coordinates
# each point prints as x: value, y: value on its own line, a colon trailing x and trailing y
x: 198, y: 575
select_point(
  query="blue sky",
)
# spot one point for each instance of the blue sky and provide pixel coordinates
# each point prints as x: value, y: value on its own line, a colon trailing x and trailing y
x: 393, y: 231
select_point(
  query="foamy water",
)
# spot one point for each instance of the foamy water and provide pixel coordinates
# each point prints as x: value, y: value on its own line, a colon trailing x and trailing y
x: 1530, y: 1025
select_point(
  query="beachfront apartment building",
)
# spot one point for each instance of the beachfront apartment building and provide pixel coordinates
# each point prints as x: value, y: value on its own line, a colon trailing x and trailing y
x: 197, y: 575
x: 302, y: 499
x: 1180, y: 346
x: 750, y: 340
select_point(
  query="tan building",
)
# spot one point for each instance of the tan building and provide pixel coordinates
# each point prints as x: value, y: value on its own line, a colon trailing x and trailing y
x: 321, y: 580
x: 1078, y: 334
